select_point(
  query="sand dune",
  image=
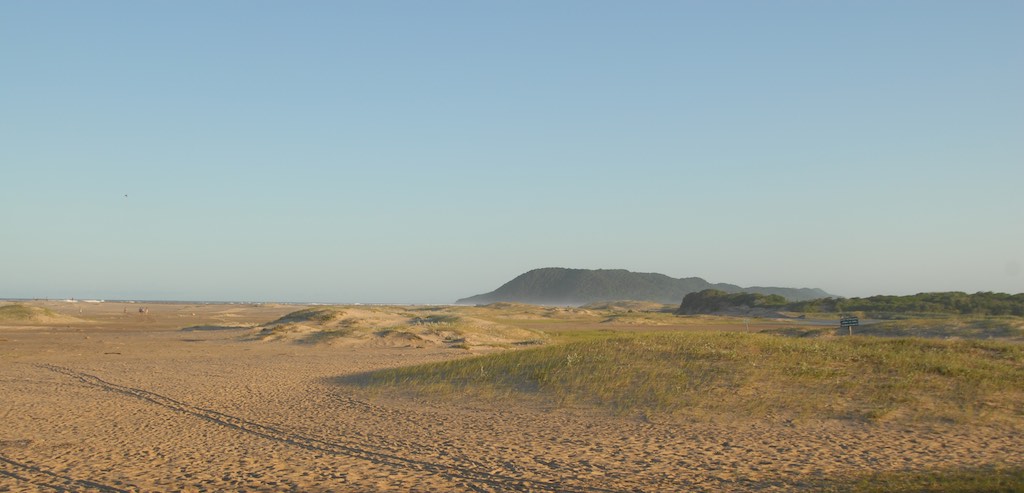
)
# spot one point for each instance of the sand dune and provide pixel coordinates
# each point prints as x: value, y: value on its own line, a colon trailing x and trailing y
x: 137, y: 405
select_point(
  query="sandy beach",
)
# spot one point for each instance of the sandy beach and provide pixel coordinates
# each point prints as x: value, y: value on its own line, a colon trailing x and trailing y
x: 178, y: 399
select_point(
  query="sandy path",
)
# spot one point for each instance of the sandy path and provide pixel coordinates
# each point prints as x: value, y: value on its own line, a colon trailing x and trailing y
x: 167, y: 410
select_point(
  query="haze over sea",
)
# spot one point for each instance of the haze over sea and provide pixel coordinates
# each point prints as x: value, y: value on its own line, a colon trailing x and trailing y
x: 420, y: 152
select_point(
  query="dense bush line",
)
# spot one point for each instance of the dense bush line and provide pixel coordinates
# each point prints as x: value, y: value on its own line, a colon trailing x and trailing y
x: 954, y: 303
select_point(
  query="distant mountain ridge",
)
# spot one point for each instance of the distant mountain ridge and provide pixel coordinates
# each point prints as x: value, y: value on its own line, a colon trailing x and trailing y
x: 560, y: 286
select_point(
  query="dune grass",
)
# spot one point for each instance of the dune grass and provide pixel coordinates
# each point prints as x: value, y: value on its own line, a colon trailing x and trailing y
x: 320, y: 315
x: 15, y: 312
x: 412, y: 326
x: 19, y: 312
x: 1005, y: 327
x: 740, y: 375
x: 991, y: 480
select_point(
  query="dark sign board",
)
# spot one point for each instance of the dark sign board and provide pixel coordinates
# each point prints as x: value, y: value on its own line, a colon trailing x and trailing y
x: 849, y: 322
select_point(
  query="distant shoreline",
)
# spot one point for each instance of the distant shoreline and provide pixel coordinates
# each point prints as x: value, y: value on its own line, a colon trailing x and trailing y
x: 193, y: 302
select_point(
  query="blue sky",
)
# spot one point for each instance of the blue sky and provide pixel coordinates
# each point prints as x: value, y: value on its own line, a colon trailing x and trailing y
x: 425, y: 151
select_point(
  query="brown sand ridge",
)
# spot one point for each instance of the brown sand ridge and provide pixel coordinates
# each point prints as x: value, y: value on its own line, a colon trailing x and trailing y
x: 245, y: 398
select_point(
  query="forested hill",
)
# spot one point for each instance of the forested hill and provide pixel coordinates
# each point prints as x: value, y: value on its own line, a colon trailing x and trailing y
x: 954, y: 303
x: 558, y: 286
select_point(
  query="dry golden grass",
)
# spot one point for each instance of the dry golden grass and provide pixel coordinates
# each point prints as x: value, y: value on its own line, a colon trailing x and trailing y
x: 744, y: 376
x: 19, y: 313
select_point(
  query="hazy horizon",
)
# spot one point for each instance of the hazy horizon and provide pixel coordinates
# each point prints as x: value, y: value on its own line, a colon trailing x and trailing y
x: 426, y: 152
x: 160, y: 299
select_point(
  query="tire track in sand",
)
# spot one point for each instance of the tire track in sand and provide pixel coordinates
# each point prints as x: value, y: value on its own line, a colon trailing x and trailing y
x: 39, y: 477
x: 355, y: 450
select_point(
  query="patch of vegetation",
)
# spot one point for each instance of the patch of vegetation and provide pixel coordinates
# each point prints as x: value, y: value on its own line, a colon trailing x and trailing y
x: 325, y: 335
x: 419, y: 326
x: 15, y: 312
x: 801, y: 331
x: 506, y: 305
x: 436, y: 320
x: 943, y: 327
x: 635, y: 306
x: 947, y: 327
x: 949, y: 303
x: 641, y: 318
x: 992, y: 480
x: 563, y: 287
x: 743, y: 375
x: 21, y: 312
x: 315, y: 315
x: 398, y: 333
x: 713, y: 301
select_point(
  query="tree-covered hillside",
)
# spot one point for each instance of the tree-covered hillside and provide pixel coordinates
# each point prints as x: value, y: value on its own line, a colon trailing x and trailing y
x: 715, y: 301
x: 558, y: 286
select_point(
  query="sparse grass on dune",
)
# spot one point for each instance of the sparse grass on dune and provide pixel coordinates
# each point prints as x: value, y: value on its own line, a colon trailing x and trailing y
x: 634, y: 317
x: 519, y: 311
x: 966, y: 327
x: 945, y: 327
x: 318, y: 315
x: 20, y: 313
x: 392, y: 325
x: 17, y: 312
x: 737, y: 375
x: 990, y: 480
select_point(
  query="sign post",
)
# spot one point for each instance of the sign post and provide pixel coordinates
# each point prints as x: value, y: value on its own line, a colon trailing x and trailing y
x: 848, y: 322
